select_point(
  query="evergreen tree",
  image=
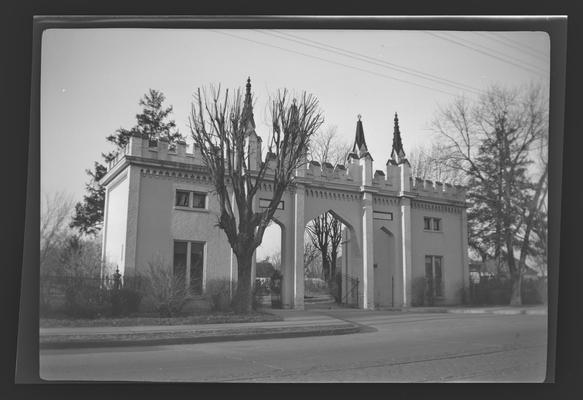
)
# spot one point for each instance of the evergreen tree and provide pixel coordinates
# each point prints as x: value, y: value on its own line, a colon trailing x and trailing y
x: 152, y: 123
x: 494, y: 141
x: 88, y: 216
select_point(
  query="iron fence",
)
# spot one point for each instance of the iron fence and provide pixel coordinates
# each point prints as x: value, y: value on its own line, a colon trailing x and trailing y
x: 349, y: 287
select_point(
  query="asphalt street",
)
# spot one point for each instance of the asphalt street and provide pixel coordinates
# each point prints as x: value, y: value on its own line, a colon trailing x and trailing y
x: 402, y: 347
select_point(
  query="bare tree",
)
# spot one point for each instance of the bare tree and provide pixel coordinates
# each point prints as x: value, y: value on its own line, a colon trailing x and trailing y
x: 325, y: 231
x: 496, y: 141
x: 327, y: 146
x: 275, y: 259
x: 221, y: 125
x: 311, y: 254
x: 56, y: 211
x: 433, y: 163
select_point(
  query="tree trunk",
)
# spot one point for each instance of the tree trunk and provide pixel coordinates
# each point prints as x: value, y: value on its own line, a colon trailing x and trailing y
x: 516, y: 297
x: 325, y: 267
x: 242, y: 301
x: 515, y: 273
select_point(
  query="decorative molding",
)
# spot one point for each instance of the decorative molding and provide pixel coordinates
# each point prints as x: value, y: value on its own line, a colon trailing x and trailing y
x: 448, y: 208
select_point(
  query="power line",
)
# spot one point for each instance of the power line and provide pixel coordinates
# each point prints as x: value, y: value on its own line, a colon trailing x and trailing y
x: 376, y: 61
x: 489, y: 49
x: 524, y: 45
x: 489, y: 35
x: 483, y: 52
x: 334, y: 62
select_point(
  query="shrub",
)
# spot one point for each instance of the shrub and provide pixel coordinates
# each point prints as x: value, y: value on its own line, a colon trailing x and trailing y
x: 85, y: 299
x: 275, y: 282
x: 275, y: 288
x: 218, y: 294
x: 258, y: 291
x: 534, y: 291
x: 125, y: 301
x: 166, y: 291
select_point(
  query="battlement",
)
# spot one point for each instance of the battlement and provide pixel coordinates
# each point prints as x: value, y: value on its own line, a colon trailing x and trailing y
x: 159, y: 150
x: 328, y: 172
x: 446, y: 191
x: 351, y: 173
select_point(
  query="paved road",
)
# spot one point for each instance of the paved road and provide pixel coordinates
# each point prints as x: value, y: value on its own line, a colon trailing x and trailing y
x: 404, y: 348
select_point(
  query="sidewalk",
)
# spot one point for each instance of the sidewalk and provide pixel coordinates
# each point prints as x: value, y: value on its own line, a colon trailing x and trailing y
x: 504, y: 310
x: 294, y: 325
x: 312, y: 321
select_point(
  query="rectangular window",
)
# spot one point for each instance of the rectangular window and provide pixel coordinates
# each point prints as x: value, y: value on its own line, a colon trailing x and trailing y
x: 431, y: 224
x: 179, y: 267
x: 196, y: 267
x: 187, y: 198
x: 189, y: 254
x: 434, y: 277
x: 426, y: 223
x: 438, y: 281
x: 198, y: 200
x: 182, y: 198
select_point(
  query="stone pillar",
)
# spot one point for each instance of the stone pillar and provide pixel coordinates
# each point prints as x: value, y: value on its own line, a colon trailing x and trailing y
x: 298, y: 241
x: 367, y: 253
x: 131, y: 242
x: 406, y: 255
x: 406, y: 252
x: 287, y: 267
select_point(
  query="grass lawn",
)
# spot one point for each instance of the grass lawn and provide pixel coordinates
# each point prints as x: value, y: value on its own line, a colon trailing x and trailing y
x: 145, y: 320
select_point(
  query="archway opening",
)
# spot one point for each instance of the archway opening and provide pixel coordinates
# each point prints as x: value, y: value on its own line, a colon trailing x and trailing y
x: 325, y: 238
x: 269, y: 263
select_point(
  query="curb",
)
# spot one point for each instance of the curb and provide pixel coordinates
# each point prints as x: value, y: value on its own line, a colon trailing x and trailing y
x: 440, y: 310
x: 324, y: 331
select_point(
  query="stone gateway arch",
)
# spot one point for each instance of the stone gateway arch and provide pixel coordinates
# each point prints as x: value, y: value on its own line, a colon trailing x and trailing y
x: 405, y: 239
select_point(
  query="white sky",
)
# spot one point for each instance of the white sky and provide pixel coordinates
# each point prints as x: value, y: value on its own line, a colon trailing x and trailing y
x: 92, y: 80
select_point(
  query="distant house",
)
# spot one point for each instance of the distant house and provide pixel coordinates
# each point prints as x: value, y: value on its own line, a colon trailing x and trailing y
x: 489, y: 268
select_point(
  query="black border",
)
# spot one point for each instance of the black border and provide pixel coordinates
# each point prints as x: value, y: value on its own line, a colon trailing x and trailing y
x: 18, y: 82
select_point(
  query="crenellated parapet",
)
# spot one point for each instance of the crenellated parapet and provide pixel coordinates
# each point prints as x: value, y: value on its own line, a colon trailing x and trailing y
x: 327, y: 173
x: 356, y: 174
x: 160, y: 150
x: 437, y: 190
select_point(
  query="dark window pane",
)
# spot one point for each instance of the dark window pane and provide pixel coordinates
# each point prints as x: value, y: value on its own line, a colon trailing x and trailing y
x: 196, y: 266
x: 182, y: 199
x: 427, y: 223
x: 198, y: 200
x: 436, y: 224
x: 438, y: 277
x: 180, y: 260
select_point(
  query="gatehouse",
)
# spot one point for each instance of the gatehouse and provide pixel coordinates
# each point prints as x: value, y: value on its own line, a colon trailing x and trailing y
x: 404, y: 238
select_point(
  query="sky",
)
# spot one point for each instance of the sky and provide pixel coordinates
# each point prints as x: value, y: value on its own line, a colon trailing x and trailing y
x: 93, y: 79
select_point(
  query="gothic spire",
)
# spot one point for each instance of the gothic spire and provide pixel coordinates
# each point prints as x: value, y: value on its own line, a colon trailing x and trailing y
x: 397, y: 153
x: 359, y: 142
x: 359, y: 149
x: 247, y: 112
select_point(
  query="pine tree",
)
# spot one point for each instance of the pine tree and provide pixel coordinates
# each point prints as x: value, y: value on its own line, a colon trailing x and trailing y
x: 494, y: 141
x: 152, y: 123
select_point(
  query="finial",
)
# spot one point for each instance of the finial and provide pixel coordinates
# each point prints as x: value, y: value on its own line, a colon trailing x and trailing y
x: 359, y: 116
x: 248, y: 84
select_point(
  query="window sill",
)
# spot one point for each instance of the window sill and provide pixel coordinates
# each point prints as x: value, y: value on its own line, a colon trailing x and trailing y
x: 200, y: 210
x: 432, y: 231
